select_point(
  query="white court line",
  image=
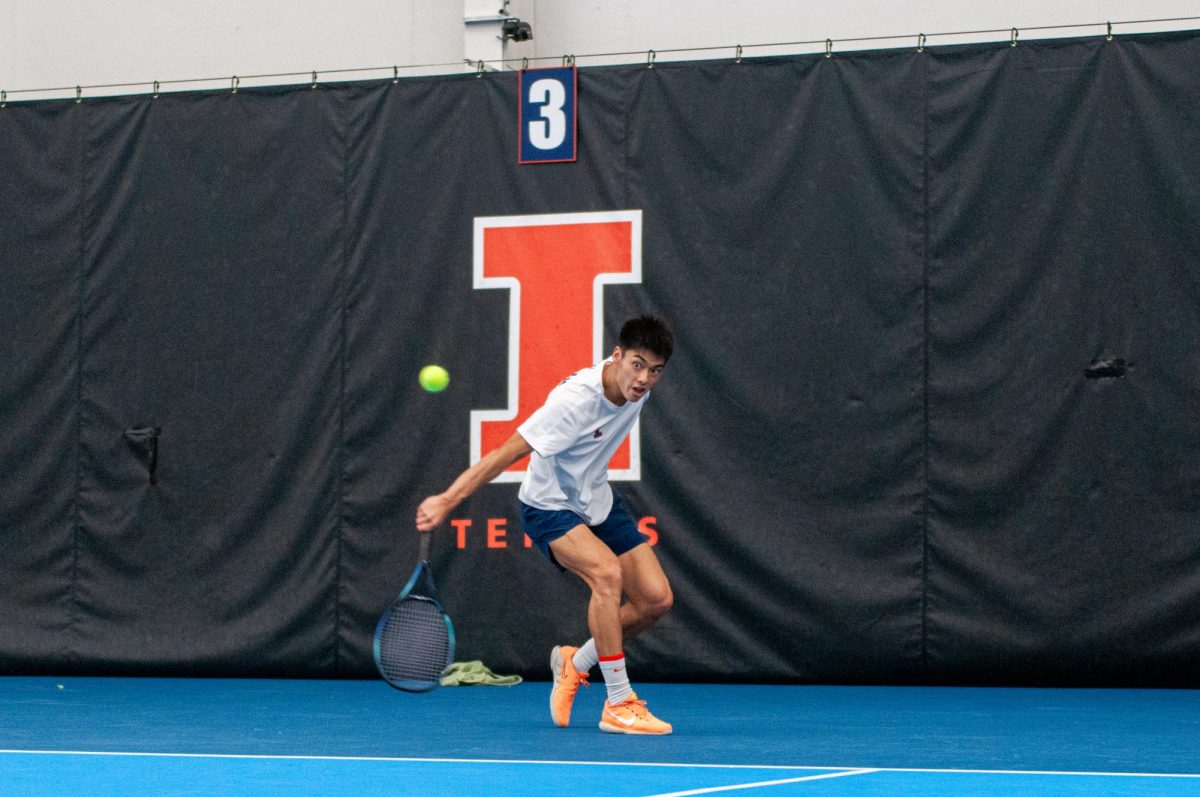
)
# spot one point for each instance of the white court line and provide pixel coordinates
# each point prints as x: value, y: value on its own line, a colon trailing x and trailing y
x: 551, y: 762
x: 412, y: 760
x: 1046, y: 772
x: 762, y: 783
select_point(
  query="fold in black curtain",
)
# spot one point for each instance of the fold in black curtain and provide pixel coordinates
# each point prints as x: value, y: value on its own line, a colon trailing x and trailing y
x: 39, y: 391
x: 211, y: 385
x: 783, y: 201
x: 1064, y: 442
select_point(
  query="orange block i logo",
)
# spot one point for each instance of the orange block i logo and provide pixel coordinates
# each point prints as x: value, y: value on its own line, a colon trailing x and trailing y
x: 555, y: 267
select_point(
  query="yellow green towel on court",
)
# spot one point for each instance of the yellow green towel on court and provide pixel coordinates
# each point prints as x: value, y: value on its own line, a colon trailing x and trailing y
x: 475, y: 673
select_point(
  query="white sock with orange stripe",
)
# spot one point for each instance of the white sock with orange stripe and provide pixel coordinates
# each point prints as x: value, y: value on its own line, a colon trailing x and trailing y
x: 615, y: 678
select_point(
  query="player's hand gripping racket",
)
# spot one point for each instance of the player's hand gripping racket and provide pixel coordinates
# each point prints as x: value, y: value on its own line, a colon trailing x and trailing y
x: 414, y: 640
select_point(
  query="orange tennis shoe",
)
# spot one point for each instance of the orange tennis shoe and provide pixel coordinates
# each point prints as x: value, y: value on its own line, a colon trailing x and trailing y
x: 566, y: 683
x: 632, y: 716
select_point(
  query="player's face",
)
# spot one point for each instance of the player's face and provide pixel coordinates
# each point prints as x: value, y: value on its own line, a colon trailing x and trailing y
x: 636, y: 372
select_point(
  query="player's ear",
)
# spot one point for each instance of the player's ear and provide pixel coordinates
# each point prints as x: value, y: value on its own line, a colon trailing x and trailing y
x: 616, y: 355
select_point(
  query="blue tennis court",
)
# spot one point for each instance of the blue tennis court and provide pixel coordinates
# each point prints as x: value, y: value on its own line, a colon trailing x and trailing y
x: 119, y: 736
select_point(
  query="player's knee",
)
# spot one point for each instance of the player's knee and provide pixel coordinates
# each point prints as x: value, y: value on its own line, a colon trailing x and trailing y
x: 660, y: 601
x: 606, y: 578
x: 653, y: 601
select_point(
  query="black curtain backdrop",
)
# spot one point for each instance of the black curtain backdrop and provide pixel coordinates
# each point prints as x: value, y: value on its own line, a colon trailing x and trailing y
x: 931, y: 416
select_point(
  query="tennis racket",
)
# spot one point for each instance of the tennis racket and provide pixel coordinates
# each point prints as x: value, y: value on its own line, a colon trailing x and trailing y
x: 414, y: 640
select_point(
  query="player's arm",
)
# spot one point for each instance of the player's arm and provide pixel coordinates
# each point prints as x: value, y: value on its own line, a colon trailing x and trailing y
x: 433, y: 510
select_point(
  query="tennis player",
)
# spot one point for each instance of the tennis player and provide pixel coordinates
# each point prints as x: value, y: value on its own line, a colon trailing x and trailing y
x: 572, y: 515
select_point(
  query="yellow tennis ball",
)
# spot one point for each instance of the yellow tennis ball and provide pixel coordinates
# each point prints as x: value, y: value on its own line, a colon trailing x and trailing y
x: 434, y: 378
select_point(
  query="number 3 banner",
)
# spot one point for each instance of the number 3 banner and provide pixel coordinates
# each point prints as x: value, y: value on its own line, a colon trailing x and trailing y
x: 547, y: 115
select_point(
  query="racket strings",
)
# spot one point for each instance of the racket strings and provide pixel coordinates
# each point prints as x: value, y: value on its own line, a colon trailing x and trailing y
x: 414, y: 644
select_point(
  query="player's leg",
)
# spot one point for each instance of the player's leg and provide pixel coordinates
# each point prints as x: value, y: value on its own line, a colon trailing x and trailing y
x: 566, y: 541
x: 642, y: 579
x: 649, y: 598
x: 644, y: 583
x: 580, y: 552
x: 646, y: 586
x: 596, y: 560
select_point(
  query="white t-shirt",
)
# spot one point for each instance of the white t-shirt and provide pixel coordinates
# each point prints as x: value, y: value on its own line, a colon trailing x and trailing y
x: 573, y: 436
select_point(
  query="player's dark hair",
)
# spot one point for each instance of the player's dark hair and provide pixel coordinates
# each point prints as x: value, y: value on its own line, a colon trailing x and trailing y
x: 648, y: 333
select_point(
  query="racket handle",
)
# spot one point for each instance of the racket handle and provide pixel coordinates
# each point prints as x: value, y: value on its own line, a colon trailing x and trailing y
x: 425, y: 540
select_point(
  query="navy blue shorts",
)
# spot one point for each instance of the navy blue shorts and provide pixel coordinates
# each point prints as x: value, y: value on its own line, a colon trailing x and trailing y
x: 618, y: 531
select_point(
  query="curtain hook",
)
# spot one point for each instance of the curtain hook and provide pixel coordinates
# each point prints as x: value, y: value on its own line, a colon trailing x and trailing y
x: 479, y: 68
x: 3, y: 98
x: 738, y: 55
x: 1015, y: 34
x: 78, y: 94
x: 234, y: 84
x: 1110, y: 36
x: 524, y: 63
x: 921, y: 42
x: 395, y: 74
x: 314, y: 79
x: 650, y: 56
x: 568, y: 60
x: 155, y: 90
x: 829, y: 48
